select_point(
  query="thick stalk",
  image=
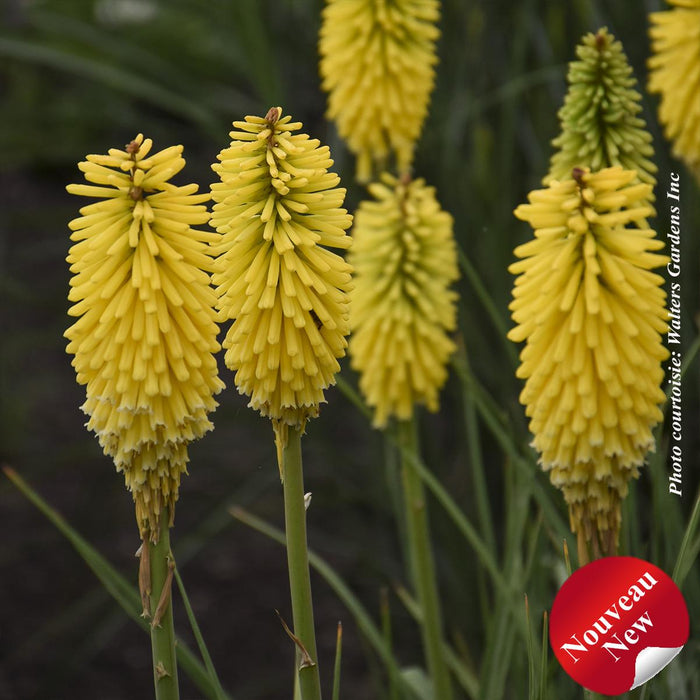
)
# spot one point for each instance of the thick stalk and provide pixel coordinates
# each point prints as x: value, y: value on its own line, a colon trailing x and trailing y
x: 298, y: 564
x: 162, y: 627
x: 423, y: 564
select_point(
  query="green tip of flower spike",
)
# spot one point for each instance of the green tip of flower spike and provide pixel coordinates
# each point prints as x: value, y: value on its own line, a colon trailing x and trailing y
x: 600, y: 122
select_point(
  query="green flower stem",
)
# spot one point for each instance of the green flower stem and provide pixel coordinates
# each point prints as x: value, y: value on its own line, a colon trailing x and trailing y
x: 163, y: 633
x: 204, y: 652
x: 422, y: 563
x: 298, y: 564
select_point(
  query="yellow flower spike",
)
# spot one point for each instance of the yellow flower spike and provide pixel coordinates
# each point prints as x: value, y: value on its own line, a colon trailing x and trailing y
x: 378, y: 66
x: 402, y: 308
x: 674, y: 73
x: 145, y: 336
x: 592, y: 314
x: 279, y: 210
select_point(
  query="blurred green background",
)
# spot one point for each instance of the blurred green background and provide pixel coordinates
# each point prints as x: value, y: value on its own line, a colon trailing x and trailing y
x: 81, y: 76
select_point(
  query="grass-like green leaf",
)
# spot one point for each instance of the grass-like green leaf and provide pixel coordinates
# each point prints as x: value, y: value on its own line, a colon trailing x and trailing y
x: 690, y: 546
x: 118, y: 587
x: 532, y: 685
x: 544, y: 659
x: 116, y: 77
x: 336, y: 665
x: 201, y: 645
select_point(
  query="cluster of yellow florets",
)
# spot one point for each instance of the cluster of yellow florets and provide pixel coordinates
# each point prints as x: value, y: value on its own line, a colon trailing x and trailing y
x: 586, y: 302
x: 144, y: 341
x: 279, y: 211
x: 674, y: 72
x: 402, y: 306
x: 592, y: 314
x: 377, y: 64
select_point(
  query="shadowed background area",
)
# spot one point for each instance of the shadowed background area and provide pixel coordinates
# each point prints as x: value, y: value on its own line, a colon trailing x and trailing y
x: 81, y: 77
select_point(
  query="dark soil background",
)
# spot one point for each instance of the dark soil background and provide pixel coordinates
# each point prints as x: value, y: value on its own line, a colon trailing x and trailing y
x: 61, y: 634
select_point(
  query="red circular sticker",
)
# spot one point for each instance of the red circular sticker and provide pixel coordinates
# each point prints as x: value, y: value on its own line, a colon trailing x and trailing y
x: 617, y: 622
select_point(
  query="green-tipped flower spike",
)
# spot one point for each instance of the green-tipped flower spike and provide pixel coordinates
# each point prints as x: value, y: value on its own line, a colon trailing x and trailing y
x: 279, y: 209
x: 146, y: 331
x: 592, y: 314
x: 405, y: 260
x: 600, y: 126
x: 377, y: 64
x: 675, y: 74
